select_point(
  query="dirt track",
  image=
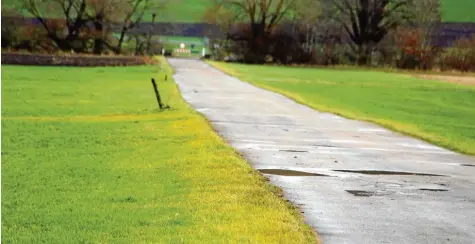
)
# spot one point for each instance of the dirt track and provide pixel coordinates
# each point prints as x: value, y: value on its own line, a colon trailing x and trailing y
x: 466, y: 80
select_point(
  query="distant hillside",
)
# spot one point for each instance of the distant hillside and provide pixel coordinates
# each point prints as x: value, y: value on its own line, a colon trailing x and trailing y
x: 176, y: 10
x: 184, y: 11
x: 458, y: 10
x: 193, y: 10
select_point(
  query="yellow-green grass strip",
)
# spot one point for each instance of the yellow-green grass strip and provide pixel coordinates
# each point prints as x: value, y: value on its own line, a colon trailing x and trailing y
x: 87, y: 157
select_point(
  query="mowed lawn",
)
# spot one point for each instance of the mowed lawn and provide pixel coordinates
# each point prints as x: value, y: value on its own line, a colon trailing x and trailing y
x: 172, y: 43
x: 439, y: 112
x: 87, y: 158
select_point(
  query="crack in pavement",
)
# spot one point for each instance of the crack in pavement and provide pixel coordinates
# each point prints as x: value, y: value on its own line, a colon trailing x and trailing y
x: 385, y: 172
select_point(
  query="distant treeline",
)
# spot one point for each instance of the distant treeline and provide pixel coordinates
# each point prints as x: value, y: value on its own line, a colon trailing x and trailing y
x: 444, y: 34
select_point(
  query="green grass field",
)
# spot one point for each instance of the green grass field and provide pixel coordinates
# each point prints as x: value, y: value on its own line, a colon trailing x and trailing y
x: 88, y: 158
x: 184, y: 11
x: 173, y: 42
x: 193, y: 10
x: 176, y: 40
x: 175, y: 10
x: 439, y: 112
x: 458, y: 10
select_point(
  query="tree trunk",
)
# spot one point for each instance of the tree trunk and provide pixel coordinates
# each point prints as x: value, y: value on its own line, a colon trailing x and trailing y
x: 99, y: 35
x: 364, y: 54
x: 121, y: 40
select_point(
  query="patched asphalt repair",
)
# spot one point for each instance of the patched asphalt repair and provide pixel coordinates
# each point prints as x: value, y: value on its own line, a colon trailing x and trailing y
x: 355, y: 182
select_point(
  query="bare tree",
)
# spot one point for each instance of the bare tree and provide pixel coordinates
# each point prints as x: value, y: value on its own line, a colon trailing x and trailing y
x: 81, y: 21
x: 100, y: 13
x: 416, y: 39
x: 9, y: 31
x: 367, y: 22
x: 136, y: 10
x: 305, y: 20
x: 426, y: 22
x: 259, y: 17
x: 66, y: 31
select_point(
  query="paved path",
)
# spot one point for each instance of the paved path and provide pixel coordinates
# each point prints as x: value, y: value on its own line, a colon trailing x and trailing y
x: 346, y: 206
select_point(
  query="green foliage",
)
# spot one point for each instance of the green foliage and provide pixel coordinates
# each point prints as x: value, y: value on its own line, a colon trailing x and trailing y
x: 439, y: 112
x: 87, y: 158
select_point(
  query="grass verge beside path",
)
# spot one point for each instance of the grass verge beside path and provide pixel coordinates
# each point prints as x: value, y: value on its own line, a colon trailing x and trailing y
x: 439, y: 112
x: 86, y: 157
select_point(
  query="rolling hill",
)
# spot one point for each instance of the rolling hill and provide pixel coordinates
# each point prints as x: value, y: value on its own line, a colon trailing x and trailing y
x: 458, y: 10
x: 193, y: 10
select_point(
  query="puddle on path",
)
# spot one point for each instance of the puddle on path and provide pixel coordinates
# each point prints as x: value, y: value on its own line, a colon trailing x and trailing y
x: 382, y: 172
x: 297, y: 151
x: 286, y: 172
x: 357, y: 193
x: 327, y: 146
x: 428, y: 189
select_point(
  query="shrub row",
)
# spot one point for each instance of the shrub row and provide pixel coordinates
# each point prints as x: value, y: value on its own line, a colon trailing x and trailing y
x: 409, y: 51
x: 459, y: 57
x: 71, y: 60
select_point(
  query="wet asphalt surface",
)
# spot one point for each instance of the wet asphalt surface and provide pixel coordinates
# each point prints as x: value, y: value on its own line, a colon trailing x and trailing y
x: 355, y: 182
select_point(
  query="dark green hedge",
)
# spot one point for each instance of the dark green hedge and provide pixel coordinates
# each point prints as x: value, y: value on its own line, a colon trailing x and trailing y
x: 70, y: 60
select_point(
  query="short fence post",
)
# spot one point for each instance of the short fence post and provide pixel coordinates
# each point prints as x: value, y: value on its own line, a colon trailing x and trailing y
x: 159, y: 100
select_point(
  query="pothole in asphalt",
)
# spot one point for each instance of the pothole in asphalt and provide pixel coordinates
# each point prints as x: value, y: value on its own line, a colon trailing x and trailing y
x: 286, y: 172
x: 383, y: 172
x: 468, y: 165
x: 428, y: 189
x: 357, y: 193
x: 290, y: 150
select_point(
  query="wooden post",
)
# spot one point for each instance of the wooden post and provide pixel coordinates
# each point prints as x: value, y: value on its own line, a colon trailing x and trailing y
x: 159, y: 100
